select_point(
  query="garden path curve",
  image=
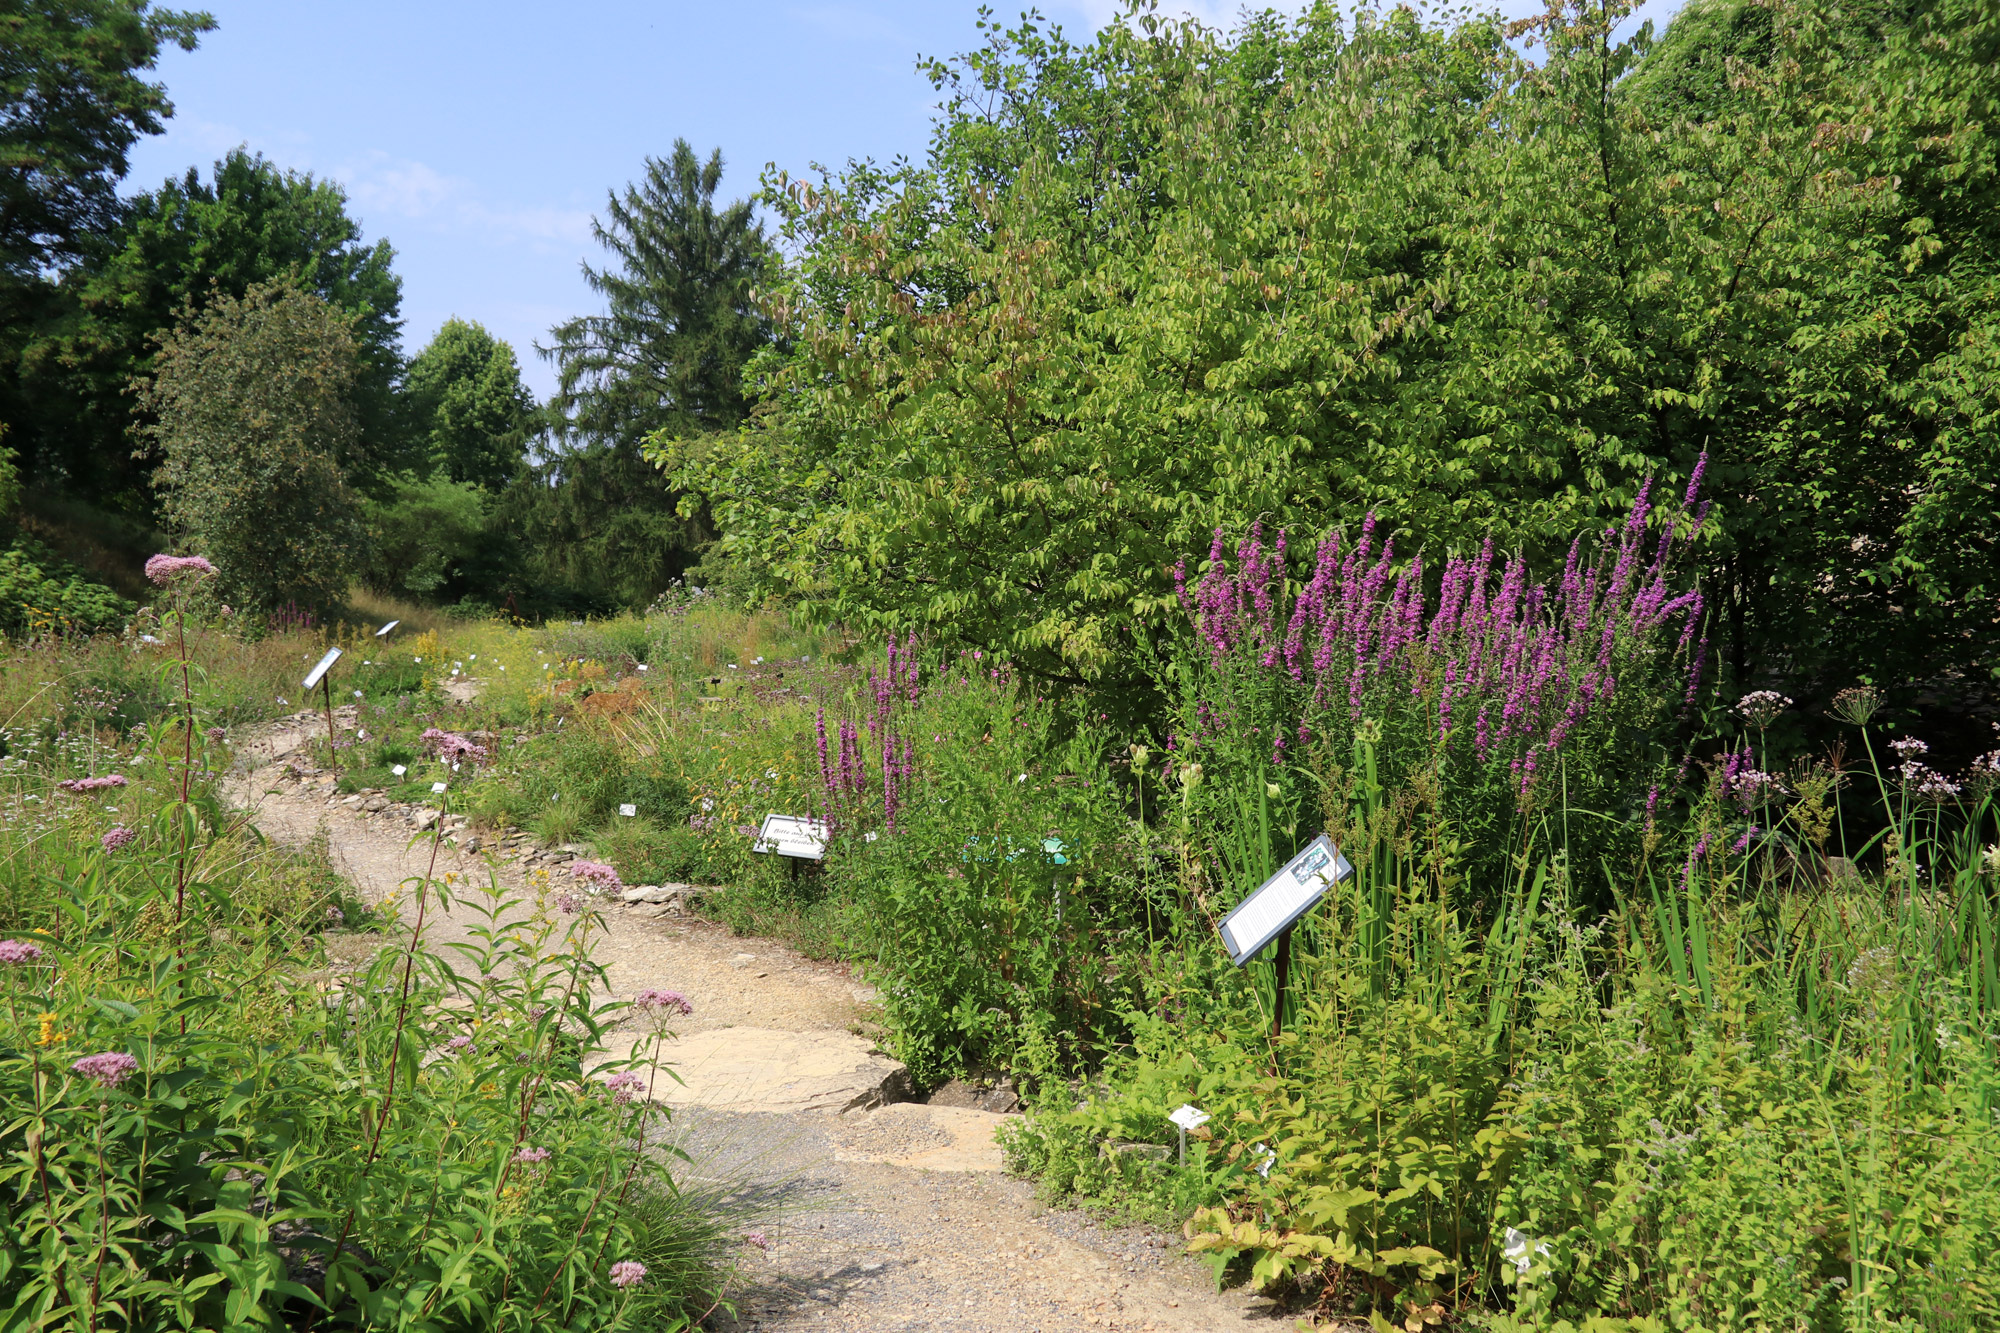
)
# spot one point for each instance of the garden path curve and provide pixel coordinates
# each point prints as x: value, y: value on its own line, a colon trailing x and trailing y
x: 888, y: 1215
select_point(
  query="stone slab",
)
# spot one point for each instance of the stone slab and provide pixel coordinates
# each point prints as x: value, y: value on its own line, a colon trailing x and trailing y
x: 763, y: 1069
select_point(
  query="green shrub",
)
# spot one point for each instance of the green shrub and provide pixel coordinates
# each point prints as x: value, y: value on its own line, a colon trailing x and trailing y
x: 39, y: 594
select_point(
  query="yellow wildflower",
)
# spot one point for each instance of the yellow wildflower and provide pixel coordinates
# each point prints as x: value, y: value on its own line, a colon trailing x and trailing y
x: 49, y: 1034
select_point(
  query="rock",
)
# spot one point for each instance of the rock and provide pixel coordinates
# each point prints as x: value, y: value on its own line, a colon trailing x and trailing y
x: 969, y: 1133
x: 424, y: 818
x: 473, y: 843
x: 761, y: 1069
x: 573, y: 848
x: 375, y: 804
x: 352, y: 800
x: 742, y: 960
x: 1114, y: 1149
x: 654, y: 893
x: 1002, y: 1100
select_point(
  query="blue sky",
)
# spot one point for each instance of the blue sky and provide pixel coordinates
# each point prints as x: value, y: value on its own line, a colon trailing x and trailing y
x: 480, y: 139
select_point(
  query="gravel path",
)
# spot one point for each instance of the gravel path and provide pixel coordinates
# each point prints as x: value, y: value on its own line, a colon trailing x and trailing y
x: 894, y: 1219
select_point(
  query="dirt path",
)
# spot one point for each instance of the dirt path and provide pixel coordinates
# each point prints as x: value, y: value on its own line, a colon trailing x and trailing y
x: 893, y: 1216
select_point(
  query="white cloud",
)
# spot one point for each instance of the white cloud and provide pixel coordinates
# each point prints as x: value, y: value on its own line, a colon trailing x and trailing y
x: 383, y: 187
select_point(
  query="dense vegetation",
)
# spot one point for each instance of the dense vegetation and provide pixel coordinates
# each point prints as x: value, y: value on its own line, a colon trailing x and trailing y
x: 1557, y: 461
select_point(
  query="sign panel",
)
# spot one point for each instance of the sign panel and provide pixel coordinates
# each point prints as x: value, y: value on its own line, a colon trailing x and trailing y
x: 383, y: 633
x: 1283, y: 899
x: 793, y: 835
x: 320, y: 667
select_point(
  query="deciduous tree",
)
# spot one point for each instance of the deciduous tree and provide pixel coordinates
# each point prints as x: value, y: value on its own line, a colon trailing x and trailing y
x: 252, y: 408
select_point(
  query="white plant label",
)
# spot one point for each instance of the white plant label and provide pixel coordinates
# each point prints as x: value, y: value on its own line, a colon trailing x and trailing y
x: 1189, y: 1117
x: 1283, y: 899
x: 437, y: 788
x: 628, y: 810
x: 400, y: 769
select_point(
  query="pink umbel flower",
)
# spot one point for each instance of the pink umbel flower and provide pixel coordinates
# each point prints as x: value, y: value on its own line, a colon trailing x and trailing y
x: 450, y: 746
x: 595, y: 872
x: 19, y: 951
x: 117, y: 839
x: 623, y: 1086
x: 163, y: 570
x: 107, y: 1070
x: 756, y: 1238
x: 669, y: 1000
x: 568, y: 904
x: 459, y: 1043
x: 530, y: 1156
x: 627, y: 1273
x: 83, y: 786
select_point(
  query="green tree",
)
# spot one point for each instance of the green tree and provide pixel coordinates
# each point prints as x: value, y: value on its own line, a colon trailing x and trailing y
x: 666, y: 359
x: 72, y: 103
x: 252, y: 412
x: 1169, y: 281
x: 467, y: 405
x: 192, y: 241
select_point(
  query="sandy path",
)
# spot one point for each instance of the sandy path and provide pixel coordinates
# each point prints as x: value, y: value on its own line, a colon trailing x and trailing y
x: 891, y: 1219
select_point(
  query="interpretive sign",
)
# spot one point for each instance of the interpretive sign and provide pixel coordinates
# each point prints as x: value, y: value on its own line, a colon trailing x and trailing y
x: 793, y: 835
x: 320, y: 667
x: 383, y: 633
x: 1283, y: 899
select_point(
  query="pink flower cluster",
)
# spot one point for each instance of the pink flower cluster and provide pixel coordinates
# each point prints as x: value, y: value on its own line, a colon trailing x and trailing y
x: 669, y: 1001
x: 450, y: 746
x: 627, y: 1273
x: 595, y: 872
x: 530, y: 1156
x: 83, y: 786
x: 623, y: 1086
x: 107, y: 1070
x: 163, y: 570
x: 118, y: 839
x: 19, y: 951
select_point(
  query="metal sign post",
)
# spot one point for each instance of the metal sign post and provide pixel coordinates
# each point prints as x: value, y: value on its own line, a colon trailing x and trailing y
x: 1270, y: 913
x: 321, y: 675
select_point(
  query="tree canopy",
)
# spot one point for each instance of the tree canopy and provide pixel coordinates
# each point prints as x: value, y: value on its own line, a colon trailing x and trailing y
x: 1475, y: 279
x: 73, y: 101
x: 252, y: 411
x: 467, y: 406
x: 175, y: 249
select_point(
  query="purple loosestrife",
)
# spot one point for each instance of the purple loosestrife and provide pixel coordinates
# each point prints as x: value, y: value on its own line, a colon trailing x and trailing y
x: 1527, y: 662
